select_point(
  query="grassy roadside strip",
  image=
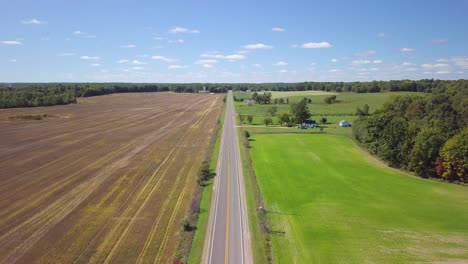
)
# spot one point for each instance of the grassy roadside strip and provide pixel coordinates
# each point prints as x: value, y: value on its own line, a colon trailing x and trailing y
x: 195, y: 248
x: 261, y: 240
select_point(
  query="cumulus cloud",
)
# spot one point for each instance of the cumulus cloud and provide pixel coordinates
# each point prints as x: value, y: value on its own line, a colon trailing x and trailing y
x: 171, y: 67
x: 137, y: 62
x: 316, y: 45
x: 407, y: 63
x: 95, y: 65
x: 176, y: 30
x: 334, y: 60
x: 460, y: 62
x: 283, y: 71
x: 407, y: 50
x: 206, y: 62
x: 82, y: 34
x: 381, y: 35
x: 278, y: 29
x: 122, y: 61
x: 137, y: 68
x: 257, y: 65
x: 334, y: 70
x: 11, y: 42
x: 129, y: 46
x: 434, y: 66
x: 12, y: 60
x: 377, y: 61
x: 443, y: 72
x: 280, y: 63
x: 89, y: 58
x: 162, y: 58
x: 32, y: 21
x: 231, y: 57
x: 257, y: 46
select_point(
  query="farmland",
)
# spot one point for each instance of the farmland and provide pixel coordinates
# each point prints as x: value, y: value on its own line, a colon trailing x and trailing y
x: 327, y: 201
x: 107, y: 180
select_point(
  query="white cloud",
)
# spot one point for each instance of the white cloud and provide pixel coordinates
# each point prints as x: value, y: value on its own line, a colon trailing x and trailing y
x: 257, y: 65
x: 12, y: 60
x: 89, y: 58
x: 206, y: 62
x: 122, y: 61
x: 334, y: 60
x: 280, y: 63
x: 208, y: 66
x: 180, y: 41
x: 461, y: 62
x: 377, y: 61
x: 137, y: 68
x: 95, y: 65
x: 257, y: 46
x: 434, y: 66
x: 411, y: 69
x: 283, y: 71
x: 11, y: 42
x: 129, y: 46
x: 32, y: 21
x: 177, y: 67
x: 381, y: 35
x: 162, y: 58
x: 316, y: 45
x: 159, y: 38
x: 176, y: 30
x: 234, y: 57
x: 80, y: 33
x: 360, y: 62
x: 407, y: 64
x: 278, y: 29
x: 407, y: 49
x: 137, y: 62
x: 443, y: 72
x: 334, y: 70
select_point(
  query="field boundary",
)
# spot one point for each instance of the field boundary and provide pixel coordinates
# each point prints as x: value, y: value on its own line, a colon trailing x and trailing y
x: 258, y: 220
x: 185, y: 245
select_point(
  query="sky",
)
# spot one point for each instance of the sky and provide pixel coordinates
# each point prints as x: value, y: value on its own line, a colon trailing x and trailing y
x: 232, y: 41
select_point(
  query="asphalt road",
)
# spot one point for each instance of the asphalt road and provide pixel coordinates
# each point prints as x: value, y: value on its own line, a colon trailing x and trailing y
x: 228, y: 238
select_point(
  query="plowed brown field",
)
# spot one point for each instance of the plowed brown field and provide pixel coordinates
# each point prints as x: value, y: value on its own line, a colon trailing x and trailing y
x: 107, y: 180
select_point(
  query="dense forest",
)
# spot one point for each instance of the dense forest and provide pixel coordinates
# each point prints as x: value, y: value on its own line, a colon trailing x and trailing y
x: 427, y: 135
x: 25, y: 95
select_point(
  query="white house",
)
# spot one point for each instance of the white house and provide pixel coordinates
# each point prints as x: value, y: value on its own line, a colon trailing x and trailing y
x: 344, y: 123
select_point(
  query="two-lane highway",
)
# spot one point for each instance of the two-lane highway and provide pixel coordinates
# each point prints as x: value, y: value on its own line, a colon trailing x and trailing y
x: 228, y: 237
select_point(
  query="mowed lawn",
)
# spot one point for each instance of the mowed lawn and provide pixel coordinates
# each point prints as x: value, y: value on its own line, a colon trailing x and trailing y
x: 329, y: 202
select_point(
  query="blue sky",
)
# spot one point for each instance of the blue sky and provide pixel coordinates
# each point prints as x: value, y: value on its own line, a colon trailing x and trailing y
x: 232, y: 41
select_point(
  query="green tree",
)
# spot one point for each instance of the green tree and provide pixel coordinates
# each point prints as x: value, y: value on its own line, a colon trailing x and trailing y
x: 268, y: 121
x: 250, y: 119
x: 330, y: 99
x: 272, y: 110
x: 246, y: 134
x: 300, y: 111
x: 241, y: 118
x: 284, y: 118
x: 426, y: 148
x: 324, y: 120
x: 454, y: 156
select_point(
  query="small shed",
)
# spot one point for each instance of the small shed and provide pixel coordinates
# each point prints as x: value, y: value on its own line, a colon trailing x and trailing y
x: 344, y: 123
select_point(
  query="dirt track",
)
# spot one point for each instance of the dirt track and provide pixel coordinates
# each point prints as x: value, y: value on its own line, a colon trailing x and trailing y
x: 106, y: 180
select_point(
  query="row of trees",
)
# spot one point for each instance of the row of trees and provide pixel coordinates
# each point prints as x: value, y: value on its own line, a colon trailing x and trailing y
x: 26, y: 94
x: 427, y: 135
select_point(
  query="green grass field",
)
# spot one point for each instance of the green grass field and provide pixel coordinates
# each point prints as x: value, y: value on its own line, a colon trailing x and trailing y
x: 329, y: 202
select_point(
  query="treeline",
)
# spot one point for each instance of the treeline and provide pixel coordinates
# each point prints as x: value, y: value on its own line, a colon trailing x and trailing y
x: 25, y: 94
x: 30, y: 95
x: 427, y: 135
